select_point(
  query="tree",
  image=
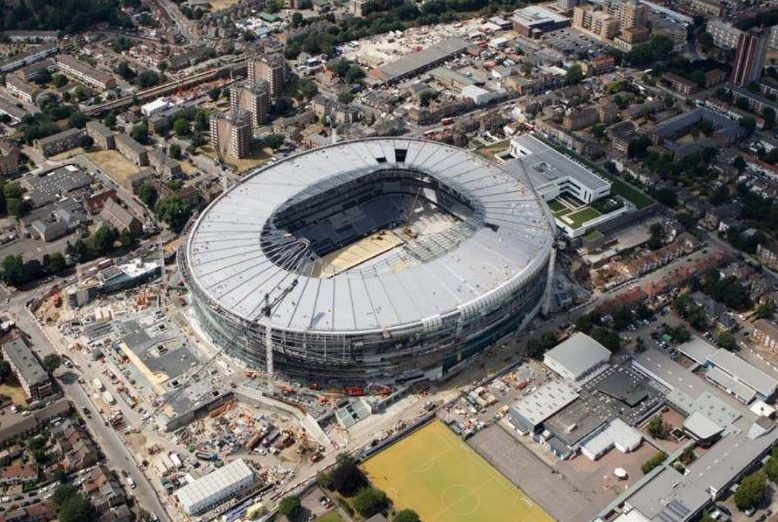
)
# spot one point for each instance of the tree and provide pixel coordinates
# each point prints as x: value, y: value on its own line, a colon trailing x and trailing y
x: 297, y: 19
x: 140, y: 132
x: 765, y: 310
x: 181, y: 127
x: 147, y: 78
x: 607, y: 338
x: 16, y: 207
x: 175, y: 212
x: 54, y: 263
x: 653, y: 462
x: 748, y: 123
x: 370, y: 501
x: 658, y: 428
x: 574, y: 74
x: 727, y: 341
x: 126, y: 239
x: 290, y: 507
x: 102, y: 240
x: 771, y: 469
x: 51, y: 362
x: 426, y: 96
x: 13, y: 271
x: 109, y: 120
x: 63, y: 493
x: 768, y: 113
x: 751, y: 491
x: 5, y: 370
x: 75, y: 509
x: 406, y: 515
x: 59, y: 80
x: 175, y: 151
x: 346, y: 478
x: 345, y: 97
x: 307, y: 88
x: 274, y: 141
x: 124, y: 70
x: 214, y: 93
x: 77, y: 120
x: 638, y: 147
x: 666, y: 196
x: 148, y: 194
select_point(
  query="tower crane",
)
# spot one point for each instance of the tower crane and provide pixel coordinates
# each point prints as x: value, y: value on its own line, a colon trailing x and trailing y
x: 407, y: 229
x: 267, y: 311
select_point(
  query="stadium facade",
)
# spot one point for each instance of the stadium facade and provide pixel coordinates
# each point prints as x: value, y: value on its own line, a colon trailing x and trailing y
x: 368, y: 261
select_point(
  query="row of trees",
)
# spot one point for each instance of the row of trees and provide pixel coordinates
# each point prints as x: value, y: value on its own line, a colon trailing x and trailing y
x: 348, y: 480
x: 69, y: 16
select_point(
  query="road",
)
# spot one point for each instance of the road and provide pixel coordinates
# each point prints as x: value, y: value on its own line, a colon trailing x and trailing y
x: 116, y: 451
x: 183, y: 23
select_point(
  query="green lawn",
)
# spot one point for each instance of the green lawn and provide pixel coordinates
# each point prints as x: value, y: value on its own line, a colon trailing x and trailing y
x: 440, y: 477
x: 332, y: 516
x: 556, y: 206
x: 630, y: 193
x: 576, y: 219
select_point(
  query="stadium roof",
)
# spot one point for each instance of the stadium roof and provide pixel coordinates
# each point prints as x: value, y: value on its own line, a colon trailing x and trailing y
x: 506, y: 243
x: 579, y: 354
x: 417, y: 62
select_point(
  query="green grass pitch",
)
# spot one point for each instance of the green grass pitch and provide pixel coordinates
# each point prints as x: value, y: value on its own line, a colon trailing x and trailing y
x: 437, y: 475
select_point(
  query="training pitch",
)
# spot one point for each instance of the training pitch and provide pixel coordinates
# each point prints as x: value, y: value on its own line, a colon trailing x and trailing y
x: 437, y: 475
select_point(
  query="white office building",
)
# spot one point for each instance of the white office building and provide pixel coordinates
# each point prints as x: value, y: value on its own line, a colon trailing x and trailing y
x: 553, y: 174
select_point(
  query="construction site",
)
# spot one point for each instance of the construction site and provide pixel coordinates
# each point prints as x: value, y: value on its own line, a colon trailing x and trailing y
x: 186, y: 408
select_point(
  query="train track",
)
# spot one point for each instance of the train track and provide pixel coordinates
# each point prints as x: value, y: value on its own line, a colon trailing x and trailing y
x: 166, y: 88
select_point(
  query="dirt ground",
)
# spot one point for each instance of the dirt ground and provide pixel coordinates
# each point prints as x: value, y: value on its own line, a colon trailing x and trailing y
x: 67, y: 154
x: 114, y: 165
x: 256, y: 159
x: 16, y: 393
x: 189, y: 169
x: 218, y: 5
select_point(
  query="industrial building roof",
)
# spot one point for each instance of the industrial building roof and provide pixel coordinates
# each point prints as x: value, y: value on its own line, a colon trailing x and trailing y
x: 617, y: 433
x: 669, y: 498
x: 733, y: 386
x: 578, y: 354
x: 21, y: 357
x: 495, y: 250
x: 701, y: 426
x: 545, y: 401
x: 546, y: 165
x: 669, y: 373
x: 413, y: 62
x: 744, y: 372
x: 535, y: 14
x: 697, y: 349
x: 211, y: 484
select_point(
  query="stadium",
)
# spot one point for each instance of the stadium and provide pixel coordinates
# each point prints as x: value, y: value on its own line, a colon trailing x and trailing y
x: 377, y: 260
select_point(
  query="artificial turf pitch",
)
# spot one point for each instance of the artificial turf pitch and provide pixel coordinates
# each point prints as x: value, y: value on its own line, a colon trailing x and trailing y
x: 437, y: 475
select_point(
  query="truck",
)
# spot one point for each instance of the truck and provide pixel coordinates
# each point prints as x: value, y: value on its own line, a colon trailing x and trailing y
x: 98, y: 385
x: 176, y: 460
x: 108, y: 398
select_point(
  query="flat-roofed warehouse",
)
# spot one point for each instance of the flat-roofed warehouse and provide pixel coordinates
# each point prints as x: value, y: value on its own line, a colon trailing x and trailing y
x: 529, y: 413
x: 577, y: 357
x: 424, y: 60
x: 373, y: 259
x: 214, y: 488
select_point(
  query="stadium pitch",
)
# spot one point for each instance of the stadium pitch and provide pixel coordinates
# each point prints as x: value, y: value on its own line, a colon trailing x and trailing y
x: 437, y: 475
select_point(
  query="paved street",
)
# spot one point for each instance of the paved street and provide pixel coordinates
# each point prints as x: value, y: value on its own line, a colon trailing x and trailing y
x: 117, y: 453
